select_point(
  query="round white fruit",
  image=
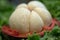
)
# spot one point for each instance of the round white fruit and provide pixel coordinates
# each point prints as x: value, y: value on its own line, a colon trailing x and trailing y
x: 30, y: 17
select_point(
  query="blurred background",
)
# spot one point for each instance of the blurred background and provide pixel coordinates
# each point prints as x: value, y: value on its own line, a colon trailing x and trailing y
x: 8, y: 6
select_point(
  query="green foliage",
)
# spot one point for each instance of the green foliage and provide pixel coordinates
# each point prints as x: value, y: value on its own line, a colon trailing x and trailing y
x: 54, y: 34
x: 56, y: 31
x: 34, y: 36
x: 0, y: 38
x: 5, y: 10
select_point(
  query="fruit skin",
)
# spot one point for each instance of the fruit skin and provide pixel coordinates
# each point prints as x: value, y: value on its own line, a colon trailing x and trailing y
x: 41, y: 10
x: 34, y: 4
x: 37, y: 23
x: 19, y: 20
x: 25, y: 20
x: 45, y: 15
